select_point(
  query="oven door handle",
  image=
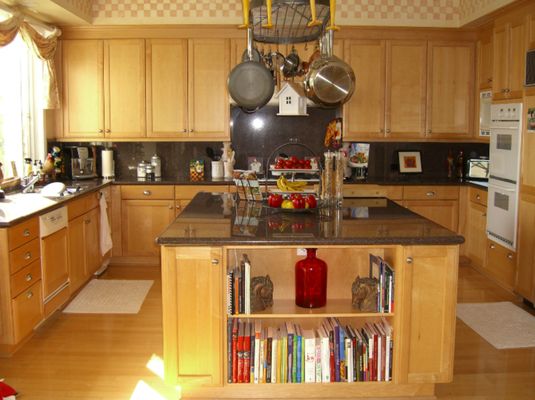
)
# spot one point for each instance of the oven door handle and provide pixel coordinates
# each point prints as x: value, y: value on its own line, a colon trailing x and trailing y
x: 501, y: 188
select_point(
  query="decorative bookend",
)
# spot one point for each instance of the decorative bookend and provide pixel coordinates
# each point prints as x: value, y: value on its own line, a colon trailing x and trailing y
x: 364, y: 294
x: 261, y: 293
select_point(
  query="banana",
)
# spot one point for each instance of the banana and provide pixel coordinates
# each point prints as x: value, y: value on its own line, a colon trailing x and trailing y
x: 286, y: 186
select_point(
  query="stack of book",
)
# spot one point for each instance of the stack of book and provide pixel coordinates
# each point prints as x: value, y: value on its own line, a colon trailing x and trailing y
x: 384, y: 274
x: 239, y: 288
x: 289, y: 354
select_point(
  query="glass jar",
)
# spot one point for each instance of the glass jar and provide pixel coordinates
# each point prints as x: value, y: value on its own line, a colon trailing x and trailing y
x: 141, y: 169
x: 157, y: 164
x: 311, y: 281
x: 149, y: 172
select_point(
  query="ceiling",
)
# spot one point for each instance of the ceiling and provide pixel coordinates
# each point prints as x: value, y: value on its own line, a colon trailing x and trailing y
x: 423, y: 13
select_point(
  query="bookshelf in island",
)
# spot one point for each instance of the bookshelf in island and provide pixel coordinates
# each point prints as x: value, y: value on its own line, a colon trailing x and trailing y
x: 217, y: 347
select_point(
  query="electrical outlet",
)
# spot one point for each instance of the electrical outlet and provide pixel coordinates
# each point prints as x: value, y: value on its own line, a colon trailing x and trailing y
x: 301, y: 252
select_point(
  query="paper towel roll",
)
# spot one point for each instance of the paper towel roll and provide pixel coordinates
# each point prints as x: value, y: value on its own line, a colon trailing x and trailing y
x: 108, y: 167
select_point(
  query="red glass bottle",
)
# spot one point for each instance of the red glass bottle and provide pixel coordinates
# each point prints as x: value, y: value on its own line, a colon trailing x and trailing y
x: 311, y: 281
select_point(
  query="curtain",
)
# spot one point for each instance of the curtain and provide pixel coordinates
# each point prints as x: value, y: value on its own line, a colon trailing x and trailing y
x: 43, y: 43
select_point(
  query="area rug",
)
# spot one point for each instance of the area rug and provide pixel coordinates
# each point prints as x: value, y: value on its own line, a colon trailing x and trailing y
x: 503, y: 325
x: 110, y: 296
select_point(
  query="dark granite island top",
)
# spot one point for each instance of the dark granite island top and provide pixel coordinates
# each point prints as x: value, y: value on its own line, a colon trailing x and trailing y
x: 217, y: 219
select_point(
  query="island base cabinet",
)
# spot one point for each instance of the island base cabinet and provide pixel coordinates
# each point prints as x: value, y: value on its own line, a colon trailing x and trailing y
x: 427, y: 308
x: 196, y: 320
x: 193, y: 315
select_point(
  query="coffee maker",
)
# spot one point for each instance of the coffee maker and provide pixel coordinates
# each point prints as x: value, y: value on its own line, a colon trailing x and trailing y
x: 82, y: 163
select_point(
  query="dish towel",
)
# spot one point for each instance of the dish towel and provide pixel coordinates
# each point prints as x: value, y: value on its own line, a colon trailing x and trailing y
x: 105, y: 231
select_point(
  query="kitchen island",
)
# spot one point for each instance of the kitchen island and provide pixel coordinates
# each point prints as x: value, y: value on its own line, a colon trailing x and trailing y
x: 213, y: 232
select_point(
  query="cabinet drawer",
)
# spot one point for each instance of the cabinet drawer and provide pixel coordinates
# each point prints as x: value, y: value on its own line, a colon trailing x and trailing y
x: 24, y: 255
x: 478, y: 196
x: 24, y: 278
x: 82, y: 205
x: 22, y: 233
x: 27, y: 311
x: 430, y: 192
x: 147, y: 192
x: 189, y: 192
x: 501, y: 263
x: 390, y: 192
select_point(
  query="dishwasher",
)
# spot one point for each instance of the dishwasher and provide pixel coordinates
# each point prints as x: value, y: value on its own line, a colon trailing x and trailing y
x: 54, y: 258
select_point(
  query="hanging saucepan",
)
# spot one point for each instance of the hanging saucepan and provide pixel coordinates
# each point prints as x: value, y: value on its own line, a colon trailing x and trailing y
x: 250, y: 83
x: 329, y: 82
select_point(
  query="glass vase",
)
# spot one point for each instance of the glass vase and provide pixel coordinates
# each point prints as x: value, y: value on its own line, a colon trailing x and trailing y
x: 311, y: 281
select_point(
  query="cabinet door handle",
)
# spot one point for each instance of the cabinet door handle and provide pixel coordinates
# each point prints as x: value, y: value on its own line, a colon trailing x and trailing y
x: 28, y: 255
x: 184, y: 130
x: 100, y: 131
x: 388, y: 131
x: 430, y: 194
x: 484, y: 214
x: 147, y: 193
x: 409, y: 260
x: 29, y: 295
x: 509, y: 256
x: 28, y: 277
x: 178, y: 207
x: 108, y: 131
x: 429, y: 131
x: 192, y: 130
x: 489, y: 80
x: 26, y: 233
x: 215, y: 261
x: 381, y: 130
x: 478, y: 197
x: 87, y: 221
x: 492, y: 246
x: 170, y: 207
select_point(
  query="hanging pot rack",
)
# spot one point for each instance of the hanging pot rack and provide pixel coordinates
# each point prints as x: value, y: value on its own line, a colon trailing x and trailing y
x: 288, y: 21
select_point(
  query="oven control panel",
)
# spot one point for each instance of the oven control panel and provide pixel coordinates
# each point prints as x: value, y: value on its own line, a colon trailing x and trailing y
x: 506, y: 112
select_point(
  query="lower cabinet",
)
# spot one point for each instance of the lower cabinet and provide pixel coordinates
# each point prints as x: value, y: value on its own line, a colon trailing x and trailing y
x: 440, y: 204
x: 501, y: 264
x: 21, y: 300
x: 84, y: 251
x: 55, y: 270
x: 525, y: 277
x: 196, y: 319
x: 476, y: 228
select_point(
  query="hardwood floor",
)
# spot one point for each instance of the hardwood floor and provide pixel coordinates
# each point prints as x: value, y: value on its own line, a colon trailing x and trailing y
x: 105, y: 356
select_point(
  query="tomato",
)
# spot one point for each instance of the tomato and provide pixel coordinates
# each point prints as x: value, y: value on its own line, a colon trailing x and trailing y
x: 274, y: 200
x: 311, y: 201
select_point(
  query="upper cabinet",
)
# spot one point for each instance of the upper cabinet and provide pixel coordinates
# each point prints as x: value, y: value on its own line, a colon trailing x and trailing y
x: 406, y: 68
x: 364, y: 114
x: 484, y: 61
x: 117, y: 89
x: 450, y: 91
x: 509, y: 58
x: 104, y: 88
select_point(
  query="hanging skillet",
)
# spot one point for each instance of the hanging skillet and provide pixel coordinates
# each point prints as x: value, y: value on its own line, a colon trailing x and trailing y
x: 329, y: 82
x: 250, y: 83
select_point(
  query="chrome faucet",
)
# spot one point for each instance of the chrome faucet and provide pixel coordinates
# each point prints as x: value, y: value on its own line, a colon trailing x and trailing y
x: 30, y: 181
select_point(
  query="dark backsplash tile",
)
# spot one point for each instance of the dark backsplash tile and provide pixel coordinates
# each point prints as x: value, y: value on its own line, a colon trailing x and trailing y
x: 259, y: 134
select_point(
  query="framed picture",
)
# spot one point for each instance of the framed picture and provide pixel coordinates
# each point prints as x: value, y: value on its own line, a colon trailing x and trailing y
x: 531, y: 120
x: 255, y: 164
x: 410, y: 162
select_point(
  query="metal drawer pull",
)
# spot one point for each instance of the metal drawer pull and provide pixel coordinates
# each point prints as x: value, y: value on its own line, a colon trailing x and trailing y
x: 215, y: 261
x: 28, y: 255
x: 478, y: 197
x: 147, y: 192
x: 409, y: 260
x: 87, y: 221
x: 28, y: 277
x: 26, y: 233
x: 509, y: 256
x: 29, y: 295
x: 492, y: 246
x: 430, y: 194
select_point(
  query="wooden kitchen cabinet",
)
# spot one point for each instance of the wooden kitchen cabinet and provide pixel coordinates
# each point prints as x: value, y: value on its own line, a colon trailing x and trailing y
x: 192, y: 288
x: 509, y: 59
x: 84, y: 248
x: 476, y: 228
x: 440, y: 204
x: 485, y: 60
x: 450, y: 90
x: 501, y: 264
x: 103, y: 88
x: 55, y: 270
x: 145, y: 212
x: 406, y: 87
x: 364, y: 114
x: 21, y: 301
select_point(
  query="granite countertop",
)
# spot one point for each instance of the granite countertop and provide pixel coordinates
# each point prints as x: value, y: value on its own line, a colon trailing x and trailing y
x: 218, y: 219
x: 19, y: 206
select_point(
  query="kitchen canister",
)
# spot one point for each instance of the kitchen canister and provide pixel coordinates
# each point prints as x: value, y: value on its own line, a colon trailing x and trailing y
x: 141, y: 170
x: 217, y: 169
x: 157, y: 164
x: 228, y: 167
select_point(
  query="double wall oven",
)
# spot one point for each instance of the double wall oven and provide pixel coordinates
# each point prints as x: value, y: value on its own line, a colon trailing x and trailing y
x: 504, y: 173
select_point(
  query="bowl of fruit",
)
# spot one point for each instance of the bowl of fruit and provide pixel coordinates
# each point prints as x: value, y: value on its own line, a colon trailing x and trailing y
x: 295, y: 202
x: 294, y: 164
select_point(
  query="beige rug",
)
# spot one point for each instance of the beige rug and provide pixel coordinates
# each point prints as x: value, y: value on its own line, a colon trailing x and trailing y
x: 109, y: 296
x: 503, y: 325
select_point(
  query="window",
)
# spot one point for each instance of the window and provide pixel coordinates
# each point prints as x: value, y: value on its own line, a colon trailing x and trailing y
x: 21, y: 111
x: 288, y: 99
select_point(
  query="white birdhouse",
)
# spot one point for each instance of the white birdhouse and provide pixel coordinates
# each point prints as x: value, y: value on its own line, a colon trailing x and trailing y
x: 292, y: 100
